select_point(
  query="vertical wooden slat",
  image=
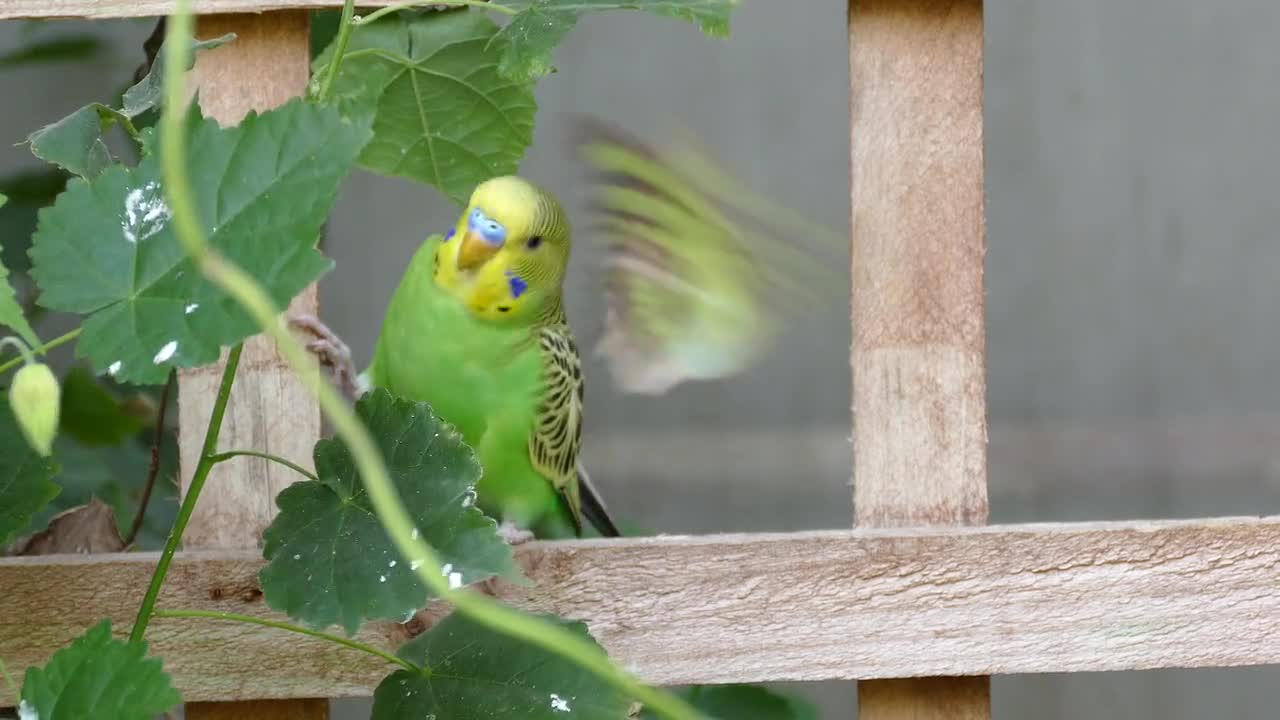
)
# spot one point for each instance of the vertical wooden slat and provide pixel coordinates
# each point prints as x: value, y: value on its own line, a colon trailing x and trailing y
x: 309, y: 709
x: 918, y: 362
x: 269, y: 409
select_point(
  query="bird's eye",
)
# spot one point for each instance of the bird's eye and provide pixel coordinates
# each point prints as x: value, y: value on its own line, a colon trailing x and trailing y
x: 534, y: 242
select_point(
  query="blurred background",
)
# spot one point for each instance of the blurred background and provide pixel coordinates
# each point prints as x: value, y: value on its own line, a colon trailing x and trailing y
x: 1131, y: 174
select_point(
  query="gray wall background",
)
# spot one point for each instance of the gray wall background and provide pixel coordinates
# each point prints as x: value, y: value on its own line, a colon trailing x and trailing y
x: 1132, y: 166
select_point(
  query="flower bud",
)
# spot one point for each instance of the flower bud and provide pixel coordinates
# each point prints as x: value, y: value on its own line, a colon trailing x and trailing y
x: 36, y: 399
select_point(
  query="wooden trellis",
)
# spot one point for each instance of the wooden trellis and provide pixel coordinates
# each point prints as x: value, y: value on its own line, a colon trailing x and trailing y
x: 921, y: 614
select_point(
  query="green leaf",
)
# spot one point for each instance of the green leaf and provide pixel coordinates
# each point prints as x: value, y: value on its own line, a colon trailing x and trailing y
x: 100, y: 677
x: 331, y: 561
x: 471, y: 672
x: 75, y: 142
x: 61, y: 48
x: 746, y: 702
x: 25, y: 486
x: 107, y: 250
x: 93, y: 415
x: 529, y: 39
x: 442, y: 114
x: 10, y: 311
x: 149, y: 91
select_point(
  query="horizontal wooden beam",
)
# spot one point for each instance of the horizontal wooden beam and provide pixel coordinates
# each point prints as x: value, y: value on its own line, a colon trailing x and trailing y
x: 721, y: 608
x: 104, y: 9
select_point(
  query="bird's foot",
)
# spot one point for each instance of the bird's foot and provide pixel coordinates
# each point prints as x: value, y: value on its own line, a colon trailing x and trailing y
x: 331, y: 352
x: 512, y: 534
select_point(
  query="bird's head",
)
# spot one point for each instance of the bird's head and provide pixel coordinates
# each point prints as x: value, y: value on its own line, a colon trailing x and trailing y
x: 506, y: 257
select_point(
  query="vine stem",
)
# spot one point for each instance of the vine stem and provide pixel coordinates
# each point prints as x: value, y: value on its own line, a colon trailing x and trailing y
x: 224, y: 456
x: 368, y: 460
x: 42, y: 349
x: 193, y: 494
x: 129, y: 128
x: 153, y: 468
x: 339, y: 48
x: 24, y: 352
x: 383, y: 12
x: 234, y: 617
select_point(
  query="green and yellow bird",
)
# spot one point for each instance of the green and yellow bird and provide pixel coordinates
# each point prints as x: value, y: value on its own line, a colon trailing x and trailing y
x: 700, y: 274
x: 477, y: 329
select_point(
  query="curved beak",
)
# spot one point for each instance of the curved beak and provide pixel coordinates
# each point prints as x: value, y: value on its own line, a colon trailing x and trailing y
x: 474, y: 251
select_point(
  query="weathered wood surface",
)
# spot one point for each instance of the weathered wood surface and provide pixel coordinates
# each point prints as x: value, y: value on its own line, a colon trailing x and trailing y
x: 270, y: 411
x: 919, y: 405
x: 918, y: 355
x: 958, y: 698
x: 745, y: 608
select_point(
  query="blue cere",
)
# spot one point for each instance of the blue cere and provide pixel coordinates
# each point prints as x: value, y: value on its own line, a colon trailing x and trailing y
x: 489, y: 230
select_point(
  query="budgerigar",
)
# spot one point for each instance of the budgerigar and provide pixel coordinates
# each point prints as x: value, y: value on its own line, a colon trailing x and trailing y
x: 700, y: 273
x: 477, y: 329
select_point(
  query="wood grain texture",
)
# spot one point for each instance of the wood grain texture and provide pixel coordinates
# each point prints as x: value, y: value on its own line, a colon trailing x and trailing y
x: 919, y: 402
x: 269, y: 410
x: 849, y: 605
x: 918, y: 355
x: 925, y: 698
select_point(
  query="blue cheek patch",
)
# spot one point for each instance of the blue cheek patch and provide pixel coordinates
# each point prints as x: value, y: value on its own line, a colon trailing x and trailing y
x: 448, y: 235
x: 517, y: 283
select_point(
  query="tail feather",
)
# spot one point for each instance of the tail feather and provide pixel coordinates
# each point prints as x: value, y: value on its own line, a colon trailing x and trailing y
x: 593, y: 508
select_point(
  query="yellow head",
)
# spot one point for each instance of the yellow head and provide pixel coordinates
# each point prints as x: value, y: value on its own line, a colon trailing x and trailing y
x: 506, y: 257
